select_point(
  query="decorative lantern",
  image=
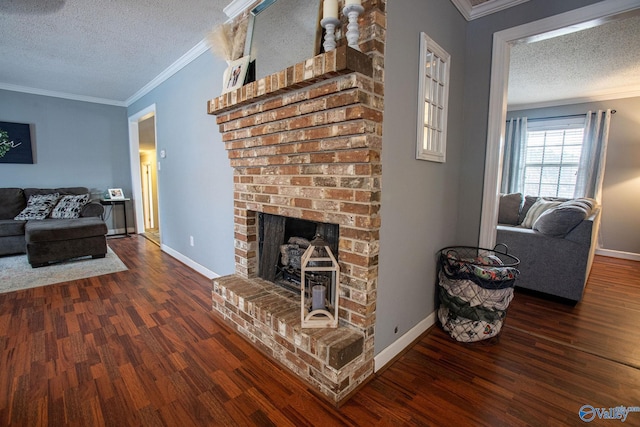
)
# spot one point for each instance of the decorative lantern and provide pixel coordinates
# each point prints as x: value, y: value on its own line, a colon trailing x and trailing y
x: 319, y: 286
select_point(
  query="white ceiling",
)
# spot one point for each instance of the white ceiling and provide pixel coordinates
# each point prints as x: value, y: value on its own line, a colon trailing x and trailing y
x: 112, y: 51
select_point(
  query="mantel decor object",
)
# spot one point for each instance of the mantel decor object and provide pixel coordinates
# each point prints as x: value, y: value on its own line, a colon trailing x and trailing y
x: 329, y: 25
x: 320, y: 283
x: 329, y: 22
x: 352, y: 10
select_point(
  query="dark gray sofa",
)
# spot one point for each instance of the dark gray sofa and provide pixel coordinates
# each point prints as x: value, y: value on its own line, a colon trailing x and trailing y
x: 51, y: 239
x: 555, y: 262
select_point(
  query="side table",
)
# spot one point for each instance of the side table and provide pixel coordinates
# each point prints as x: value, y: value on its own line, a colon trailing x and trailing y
x: 115, y: 202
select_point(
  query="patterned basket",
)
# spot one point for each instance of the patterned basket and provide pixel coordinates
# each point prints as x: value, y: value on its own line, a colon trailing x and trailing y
x: 475, y: 289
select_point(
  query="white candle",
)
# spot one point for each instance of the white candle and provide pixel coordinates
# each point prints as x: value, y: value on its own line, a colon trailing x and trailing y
x: 317, y: 302
x: 330, y: 9
x: 350, y: 2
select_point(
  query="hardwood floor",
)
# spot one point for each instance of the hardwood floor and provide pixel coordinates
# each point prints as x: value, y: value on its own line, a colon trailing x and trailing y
x: 141, y: 347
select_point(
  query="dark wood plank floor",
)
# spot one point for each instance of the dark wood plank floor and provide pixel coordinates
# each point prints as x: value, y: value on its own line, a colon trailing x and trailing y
x: 141, y: 347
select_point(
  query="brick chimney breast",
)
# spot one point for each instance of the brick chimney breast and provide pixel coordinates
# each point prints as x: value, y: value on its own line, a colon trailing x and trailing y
x: 306, y: 143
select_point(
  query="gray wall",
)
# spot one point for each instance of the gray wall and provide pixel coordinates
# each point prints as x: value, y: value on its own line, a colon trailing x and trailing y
x: 195, y: 182
x: 620, y: 224
x: 419, y: 198
x: 75, y: 144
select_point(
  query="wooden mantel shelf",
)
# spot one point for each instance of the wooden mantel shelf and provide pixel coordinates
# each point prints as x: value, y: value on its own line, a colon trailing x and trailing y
x: 342, y: 60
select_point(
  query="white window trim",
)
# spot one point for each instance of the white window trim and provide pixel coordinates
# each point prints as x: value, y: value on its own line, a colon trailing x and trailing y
x: 437, y: 153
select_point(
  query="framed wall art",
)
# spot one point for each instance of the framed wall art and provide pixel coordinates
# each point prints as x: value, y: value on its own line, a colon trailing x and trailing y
x: 15, y: 143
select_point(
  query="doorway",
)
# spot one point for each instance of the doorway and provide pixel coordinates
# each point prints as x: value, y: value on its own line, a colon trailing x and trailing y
x: 149, y: 177
x: 503, y: 40
x: 144, y: 173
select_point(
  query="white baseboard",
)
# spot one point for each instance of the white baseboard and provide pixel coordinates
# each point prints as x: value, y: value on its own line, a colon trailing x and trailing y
x: 618, y: 254
x: 389, y: 353
x: 189, y: 262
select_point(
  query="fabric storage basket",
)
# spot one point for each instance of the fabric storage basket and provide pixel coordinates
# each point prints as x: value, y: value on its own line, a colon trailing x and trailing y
x: 475, y: 288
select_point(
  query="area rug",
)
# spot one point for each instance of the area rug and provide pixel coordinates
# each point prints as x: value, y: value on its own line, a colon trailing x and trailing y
x: 16, y: 273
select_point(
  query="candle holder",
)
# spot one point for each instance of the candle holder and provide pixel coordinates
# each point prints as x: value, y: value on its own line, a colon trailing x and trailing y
x: 329, y: 24
x: 352, y: 11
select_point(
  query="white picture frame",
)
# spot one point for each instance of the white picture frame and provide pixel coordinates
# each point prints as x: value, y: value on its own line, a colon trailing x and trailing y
x: 116, y: 194
x: 235, y: 74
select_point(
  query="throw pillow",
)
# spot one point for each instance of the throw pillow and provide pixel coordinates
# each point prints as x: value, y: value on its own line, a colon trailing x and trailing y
x: 70, y: 206
x: 12, y: 202
x: 536, y: 210
x: 509, y: 208
x: 582, y: 202
x: 38, y: 206
x: 557, y: 222
x: 528, y: 202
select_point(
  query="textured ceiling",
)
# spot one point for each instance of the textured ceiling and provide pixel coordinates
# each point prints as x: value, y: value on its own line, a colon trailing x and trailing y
x: 109, y: 50
x: 593, y: 64
x: 95, y: 48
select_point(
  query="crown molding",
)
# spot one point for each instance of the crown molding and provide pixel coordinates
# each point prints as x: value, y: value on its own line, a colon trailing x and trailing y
x: 63, y: 95
x: 473, y: 12
x: 182, y: 62
x: 493, y: 6
x: 236, y: 7
x: 464, y: 7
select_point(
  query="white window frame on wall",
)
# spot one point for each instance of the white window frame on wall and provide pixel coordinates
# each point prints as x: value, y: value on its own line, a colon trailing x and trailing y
x: 433, y: 101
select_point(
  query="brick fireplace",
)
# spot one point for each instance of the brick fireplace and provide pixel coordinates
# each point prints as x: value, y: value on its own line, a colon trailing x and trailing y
x: 305, y: 143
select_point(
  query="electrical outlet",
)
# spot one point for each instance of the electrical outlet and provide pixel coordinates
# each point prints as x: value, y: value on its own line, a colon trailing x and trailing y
x: 191, y: 241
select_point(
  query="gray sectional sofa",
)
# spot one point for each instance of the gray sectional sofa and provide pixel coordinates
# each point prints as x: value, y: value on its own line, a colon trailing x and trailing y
x: 555, y: 240
x: 75, y: 230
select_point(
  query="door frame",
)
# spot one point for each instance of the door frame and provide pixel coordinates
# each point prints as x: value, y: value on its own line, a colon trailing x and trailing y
x: 134, y: 159
x: 553, y: 26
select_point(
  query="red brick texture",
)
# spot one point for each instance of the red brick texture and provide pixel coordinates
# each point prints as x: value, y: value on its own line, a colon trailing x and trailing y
x: 315, y: 163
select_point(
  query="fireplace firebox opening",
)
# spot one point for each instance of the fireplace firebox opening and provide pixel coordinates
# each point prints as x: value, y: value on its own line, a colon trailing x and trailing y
x: 281, y: 243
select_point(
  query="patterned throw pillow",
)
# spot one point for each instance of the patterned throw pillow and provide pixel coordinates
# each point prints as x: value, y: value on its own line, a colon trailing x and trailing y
x: 39, y: 206
x: 70, y: 206
x: 536, y: 210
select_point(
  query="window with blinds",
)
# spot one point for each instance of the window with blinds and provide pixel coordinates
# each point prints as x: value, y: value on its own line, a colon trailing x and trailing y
x: 433, y: 96
x: 552, y: 157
